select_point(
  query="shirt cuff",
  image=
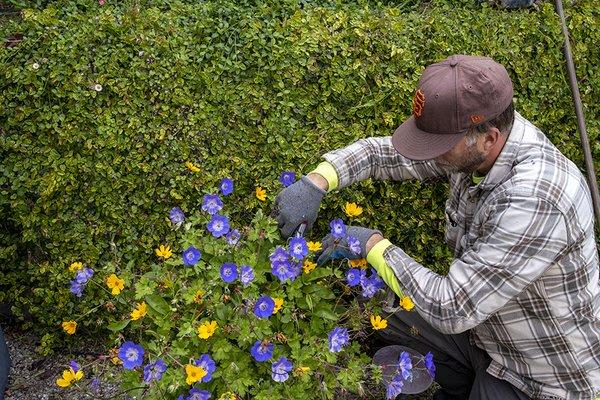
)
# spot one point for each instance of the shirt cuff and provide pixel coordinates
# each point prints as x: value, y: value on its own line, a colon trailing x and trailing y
x: 377, y: 261
x: 327, y: 171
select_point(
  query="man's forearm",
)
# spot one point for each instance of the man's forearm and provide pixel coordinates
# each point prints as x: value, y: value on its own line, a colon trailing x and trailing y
x: 318, y: 180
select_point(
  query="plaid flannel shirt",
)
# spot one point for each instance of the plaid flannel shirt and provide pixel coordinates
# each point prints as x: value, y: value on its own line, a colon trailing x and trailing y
x: 524, y: 279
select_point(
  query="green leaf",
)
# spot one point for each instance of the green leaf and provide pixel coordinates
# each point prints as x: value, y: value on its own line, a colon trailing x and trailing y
x: 158, y: 304
x: 119, y: 325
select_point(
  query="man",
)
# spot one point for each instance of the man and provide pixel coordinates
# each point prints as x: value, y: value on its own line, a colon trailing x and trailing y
x: 518, y: 314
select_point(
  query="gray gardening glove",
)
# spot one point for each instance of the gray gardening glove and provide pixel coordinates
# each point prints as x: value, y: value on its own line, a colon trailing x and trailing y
x: 296, y: 204
x: 351, y: 245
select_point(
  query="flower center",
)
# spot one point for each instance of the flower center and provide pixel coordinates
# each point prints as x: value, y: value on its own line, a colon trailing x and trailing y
x: 131, y: 354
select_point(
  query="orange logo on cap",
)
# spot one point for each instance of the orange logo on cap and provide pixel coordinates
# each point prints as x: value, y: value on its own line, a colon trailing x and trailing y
x: 476, y: 119
x: 418, y: 103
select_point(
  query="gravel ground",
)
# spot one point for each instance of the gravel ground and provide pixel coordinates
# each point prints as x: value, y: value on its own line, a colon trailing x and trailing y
x: 33, y: 377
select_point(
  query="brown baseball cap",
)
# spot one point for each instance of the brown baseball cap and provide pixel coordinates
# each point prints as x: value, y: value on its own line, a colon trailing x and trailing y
x: 452, y: 96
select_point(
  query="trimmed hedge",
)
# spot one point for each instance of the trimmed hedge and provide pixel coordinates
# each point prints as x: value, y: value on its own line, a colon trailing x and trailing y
x: 88, y: 173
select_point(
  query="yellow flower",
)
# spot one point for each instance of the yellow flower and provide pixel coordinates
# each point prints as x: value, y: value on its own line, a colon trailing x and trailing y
x: 191, y: 167
x: 358, y: 263
x: 228, y: 396
x: 261, y: 194
x: 68, y: 376
x: 378, y: 323
x: 278, y: 304
x: 407, y: 303
x: 301, y: 371
x: 139, y: 311
x: 194, y: 374
x: 314, y: 246
x: 352, y: 210
x: 198, y: 296
x: 116, y: 360
x: 70, y: 327
x: 207, y: 329
x: 308, y: 266
x: 164, y: 251
x: 76, y: 266
x: 113, y: 282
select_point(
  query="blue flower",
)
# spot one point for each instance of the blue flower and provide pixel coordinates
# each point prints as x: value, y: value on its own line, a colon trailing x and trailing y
x: 208, y: 364
x: 233, y: 237
x: 154, y: 371
x: 280, y: 370
x: 212, y: 203
x: 264, y: 307
x: 395, y: 387
x: 246, y: 275
x: 298, y: 248
x: 338, y: 228
x: 76, y: 288
x: 218, y: 225
x: 191, y: 256
x: 286, y: 270
x: 198, y: 394
x: 262, y: 350
x: 338, y: 338
x: 131, y: 354
x: 354, y: 244
x: 84, y: 275
x: 287, y: 178
x: 429, y: 364
x: 95, y: 385
x: 404, y: 365
x: 73, y: 364
x: 229, y: 272
x: 371, y: 285
x: 353, y: 276
x: 226, y: 186
x: 279, y: 255
x: 176, y: 215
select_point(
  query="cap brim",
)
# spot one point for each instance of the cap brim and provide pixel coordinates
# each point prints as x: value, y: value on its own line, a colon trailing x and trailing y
x: 416, y: 144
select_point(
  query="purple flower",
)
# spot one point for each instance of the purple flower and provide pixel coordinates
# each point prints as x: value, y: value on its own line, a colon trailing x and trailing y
x: 404, y: 365
x: 298, y: 248
x: 370, y: 285
x: 198, y: 394
x: 76, y: 288
x: 246, y: 275
x: 73, y: 364
x: 279, y: 255
x: 176, y: 215
x: 226, y: 186
x: 264, y: 307
x: 154, y: 371
x: 280, y: 369
x: 131, y: 354
x: 338, y: 228
x: 84, y: 275
x: 191, y: 256
x: 287, y: 178
x: 262, y: 350
x: 212, y: 203
x: 338, y: 338
x: 218, y: 225
x: 233, y: 237
x: 395, y: 387
x: 353, y: 276
x: 95, y: 385
x: 208, y: 364
x: 429, y: 364
x: 229, y: 272
x: 286, y: 270
x: 354, y: 244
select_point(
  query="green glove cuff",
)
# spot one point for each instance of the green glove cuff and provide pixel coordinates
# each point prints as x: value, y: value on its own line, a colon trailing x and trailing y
x: 375, y: 258
x: 327, y: 171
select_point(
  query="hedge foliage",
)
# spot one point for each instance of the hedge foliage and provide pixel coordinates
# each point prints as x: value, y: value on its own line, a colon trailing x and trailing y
x: 101, y: 106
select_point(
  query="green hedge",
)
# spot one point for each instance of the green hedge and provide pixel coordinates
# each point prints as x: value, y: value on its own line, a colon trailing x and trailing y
x: 243, y: 91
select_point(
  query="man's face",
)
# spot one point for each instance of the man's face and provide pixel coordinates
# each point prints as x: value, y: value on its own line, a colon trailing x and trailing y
x: 464, y: 157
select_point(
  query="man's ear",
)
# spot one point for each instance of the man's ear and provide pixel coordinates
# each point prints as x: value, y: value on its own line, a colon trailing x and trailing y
x: 491, y: 139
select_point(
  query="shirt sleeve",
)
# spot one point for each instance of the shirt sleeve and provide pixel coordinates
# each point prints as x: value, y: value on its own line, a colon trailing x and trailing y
x: 376, y: 157
x: 521, y: 239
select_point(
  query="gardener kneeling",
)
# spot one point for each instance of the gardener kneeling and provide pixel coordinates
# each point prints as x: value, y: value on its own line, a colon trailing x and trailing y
x: 518, y: 314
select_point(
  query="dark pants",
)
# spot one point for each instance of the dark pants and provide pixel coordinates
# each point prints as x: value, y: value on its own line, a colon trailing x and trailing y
x: 4, y: 364
x: 460, y: 366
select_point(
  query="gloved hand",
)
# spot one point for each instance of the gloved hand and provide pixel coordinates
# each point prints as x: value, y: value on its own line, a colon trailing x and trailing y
x: 351, y: 246
x: 296, y: 204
